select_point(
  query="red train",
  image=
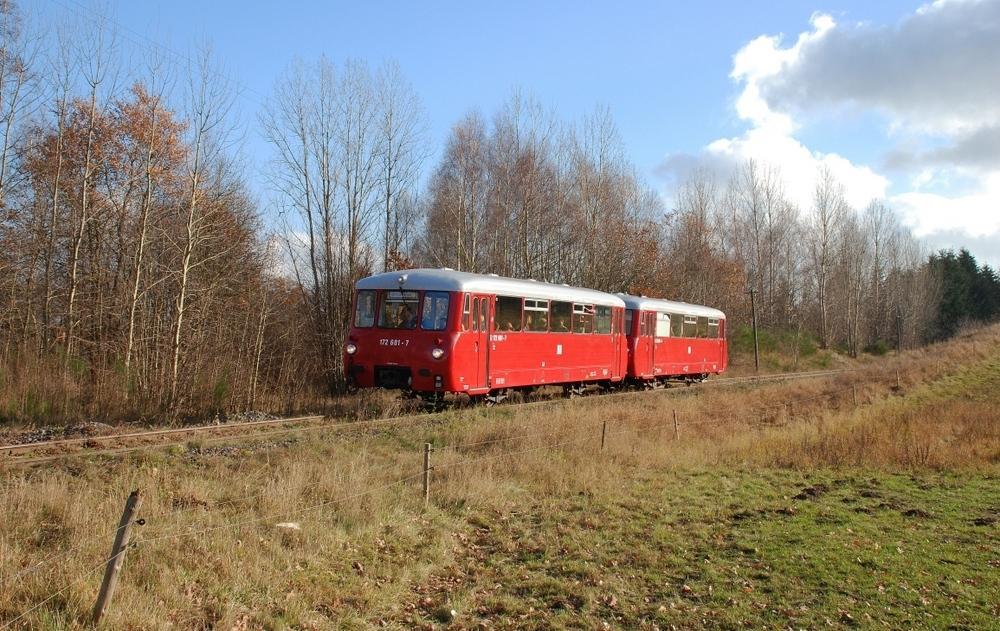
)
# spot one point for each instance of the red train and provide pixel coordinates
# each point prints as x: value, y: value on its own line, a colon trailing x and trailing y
x: 430, y: 332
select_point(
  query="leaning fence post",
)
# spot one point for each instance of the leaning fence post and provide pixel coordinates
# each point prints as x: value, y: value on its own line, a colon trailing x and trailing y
x: 604, y: 431
x: 676, y: 433
x: 118, y: 549
x: 427, y: 473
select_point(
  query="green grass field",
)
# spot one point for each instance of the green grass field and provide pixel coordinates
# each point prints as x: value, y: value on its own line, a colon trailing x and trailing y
x: 732, y: 548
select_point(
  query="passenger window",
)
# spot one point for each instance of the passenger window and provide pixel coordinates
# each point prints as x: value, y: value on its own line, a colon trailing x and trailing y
x: 713, y: 328
x: 583, y: 318
x: 536, y: 315
x: 702, y: 327
x: 662, y: 325
x: 484, y: 310
x: 690, y: 326
x: 676, y: 325
x: 364, y: 311
x: 434, y: 316
x: 467, y: 313
x: 562, y: 313
x: 629, y: 314
x: 602, y: 320
x: 508, y: 315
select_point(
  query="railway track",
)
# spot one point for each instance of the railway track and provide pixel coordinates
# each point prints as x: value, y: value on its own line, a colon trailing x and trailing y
x: 35, y: 453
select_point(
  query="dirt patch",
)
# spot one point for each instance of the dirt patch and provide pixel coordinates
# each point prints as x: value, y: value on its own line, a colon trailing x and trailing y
x: 811, y: 492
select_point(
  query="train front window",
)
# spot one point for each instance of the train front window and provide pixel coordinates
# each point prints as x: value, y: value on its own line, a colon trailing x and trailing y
x: 364, y: 310
x: 434, y: 316
x: 399, y: 310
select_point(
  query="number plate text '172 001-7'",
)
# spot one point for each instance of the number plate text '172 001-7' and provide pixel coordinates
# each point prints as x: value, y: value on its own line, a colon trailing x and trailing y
x: 385, y: 341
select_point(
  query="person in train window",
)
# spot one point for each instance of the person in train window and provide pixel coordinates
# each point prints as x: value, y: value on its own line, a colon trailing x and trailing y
x: 407, y: 319
x: 561, y: 325
x: 528, y: 322
x: 543, y: 323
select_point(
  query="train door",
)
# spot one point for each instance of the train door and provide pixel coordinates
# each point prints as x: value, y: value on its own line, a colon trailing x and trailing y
x: 481, y: 337
x: 616, y: 340
x: 651, y: 331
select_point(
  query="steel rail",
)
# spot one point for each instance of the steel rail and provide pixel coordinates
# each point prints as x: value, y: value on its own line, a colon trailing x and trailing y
x: 12, y: 459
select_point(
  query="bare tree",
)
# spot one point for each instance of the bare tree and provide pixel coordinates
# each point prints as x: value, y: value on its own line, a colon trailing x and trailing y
x: 824, y: 221
x: 210, y: 101
x: 401, y: 150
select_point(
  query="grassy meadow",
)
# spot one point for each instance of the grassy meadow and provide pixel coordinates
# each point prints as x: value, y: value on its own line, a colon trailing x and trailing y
x: 841, y: 502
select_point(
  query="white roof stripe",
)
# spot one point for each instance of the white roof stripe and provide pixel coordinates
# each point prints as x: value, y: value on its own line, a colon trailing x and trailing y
x: 450, y: 280
x: 669, y: 306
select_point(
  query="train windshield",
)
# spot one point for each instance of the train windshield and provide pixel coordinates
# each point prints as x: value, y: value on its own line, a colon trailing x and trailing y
x: 399, y: 310
x: 364, y: 312
x: 434, y: 316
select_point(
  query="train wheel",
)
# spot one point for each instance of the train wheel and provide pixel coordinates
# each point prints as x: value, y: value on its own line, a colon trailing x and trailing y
x: 496, y: 397
x: 573, y: 390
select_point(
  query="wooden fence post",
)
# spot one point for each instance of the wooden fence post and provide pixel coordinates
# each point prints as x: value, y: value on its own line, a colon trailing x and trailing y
x: 854, y: 393
x: 118, y: 549
x: 676, y: 432
x: 604, y: 431
x: 897, y: 379
x: 427, y: 473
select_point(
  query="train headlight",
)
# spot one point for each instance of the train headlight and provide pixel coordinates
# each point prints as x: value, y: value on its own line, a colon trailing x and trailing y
x: 351, y: 348
x: 437, y: 353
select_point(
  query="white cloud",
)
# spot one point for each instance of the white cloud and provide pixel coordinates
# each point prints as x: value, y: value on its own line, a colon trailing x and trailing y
x: 770, y: 138
x: 976, y: 214
x: 934, y: 79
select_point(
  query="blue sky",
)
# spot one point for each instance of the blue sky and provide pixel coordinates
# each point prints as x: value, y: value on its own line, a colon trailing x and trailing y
x: 663, y: 68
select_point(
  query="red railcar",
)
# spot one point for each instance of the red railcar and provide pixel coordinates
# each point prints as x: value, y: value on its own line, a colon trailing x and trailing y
x: 673, y: 340
x: 432, y: 332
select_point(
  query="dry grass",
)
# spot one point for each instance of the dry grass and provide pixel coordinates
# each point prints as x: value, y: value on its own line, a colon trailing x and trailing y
x: 211, y: 556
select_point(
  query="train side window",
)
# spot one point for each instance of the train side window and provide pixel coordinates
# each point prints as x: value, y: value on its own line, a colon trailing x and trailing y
x: 508, y: 315
x: 434, y: 316
x: 583, y: 318
x: 562, y: 313
x: 364, y: 310
x: 536, y: 315
x: 690, y: 326
x: 702, y: 326
x: 467, y: 313
x: 651, y: 324
x: 662, y: 325
x: 676, y: 325
x: 629, y: 314
x: 602, y: 320
x: 484, y: 311
x: 713, y: 328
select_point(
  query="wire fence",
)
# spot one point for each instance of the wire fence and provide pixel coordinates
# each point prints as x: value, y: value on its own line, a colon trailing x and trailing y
x: 597, y: 433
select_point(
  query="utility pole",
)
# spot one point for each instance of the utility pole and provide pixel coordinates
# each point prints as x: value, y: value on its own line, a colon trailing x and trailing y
x: 753, y: 318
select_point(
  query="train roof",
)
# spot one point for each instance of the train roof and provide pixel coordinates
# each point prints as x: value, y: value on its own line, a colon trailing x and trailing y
x: 450, y: 280
x: 669, y: 306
